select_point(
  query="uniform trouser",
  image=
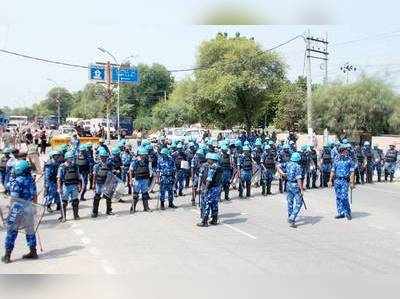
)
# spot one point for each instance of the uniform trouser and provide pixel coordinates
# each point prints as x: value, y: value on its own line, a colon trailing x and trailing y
x: 369, y: 171
x: 266, y: 181
x: 209, y: 203
x: 342, y: 196
x: 282, y: 184
x: 311, y: 178
x: 166, y: 187
x: 245, y: 182
x: 12, y: 236
x: 294, y: 200
x: 125, y: 178
x: 187, y: 179
x: 359, y: 172
x: 390, y: 168
x: 226, y: 182
x: 70, y: 194
x: 85, y: 178
x: 51, y: 194
x: 96, y: 202
x: 325, y: 174
x: 378, y: 168
x: 141, y: 186
x: 180, y: 180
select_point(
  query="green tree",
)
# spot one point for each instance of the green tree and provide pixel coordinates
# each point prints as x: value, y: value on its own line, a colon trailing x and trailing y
x: 178, y: 110
x: 90, y: 102
x: 365, y: 105
x: 236, y: 81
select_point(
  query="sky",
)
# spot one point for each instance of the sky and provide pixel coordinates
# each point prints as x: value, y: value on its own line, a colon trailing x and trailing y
x: 167, y: 32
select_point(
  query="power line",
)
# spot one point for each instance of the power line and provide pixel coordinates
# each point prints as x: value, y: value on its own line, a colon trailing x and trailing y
x: 378, y: 36
x: 43, y: 59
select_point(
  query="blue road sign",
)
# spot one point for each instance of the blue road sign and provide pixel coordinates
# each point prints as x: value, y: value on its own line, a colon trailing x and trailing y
x: 126, y: 75
x: 97, y: 72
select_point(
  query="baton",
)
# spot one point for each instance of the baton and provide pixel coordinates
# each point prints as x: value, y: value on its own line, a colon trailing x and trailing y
x: 40, y: 241
x: 302, y: 199
x: 351, y: 195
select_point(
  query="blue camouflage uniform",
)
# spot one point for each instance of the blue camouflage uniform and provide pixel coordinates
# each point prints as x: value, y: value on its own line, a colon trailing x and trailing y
x: 51, y: 194
x: 9, y: 172
x: 126, y: 158
x: 22, y: 188
x: 268, y: 170
x: 227, y: 171
x: 342, y: 169
x: 140, y: 173
x: 245, y: 166
x: 3, y: 165
x: 283, y: 160
x: 101, y: 170
x: 179, y: 156
x: 166, y: 171
x: 294, y: 196
x: 390, y: 163
x: 84, y: 163
x: 68, y: 174
x: 210, y: 199
x: 326, y: 166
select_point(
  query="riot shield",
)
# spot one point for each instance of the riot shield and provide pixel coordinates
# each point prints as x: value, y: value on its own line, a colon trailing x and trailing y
x: 20, y: 215
x: 114, y: 188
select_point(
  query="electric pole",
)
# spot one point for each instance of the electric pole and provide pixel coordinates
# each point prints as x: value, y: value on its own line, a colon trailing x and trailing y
x: 316, y: 48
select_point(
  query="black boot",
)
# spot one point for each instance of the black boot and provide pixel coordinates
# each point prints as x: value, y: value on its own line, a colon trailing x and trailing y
x: 145, y: 199
x: 203, y: 223
x: 109, y: 208
x: 49, y: 209
x: 269, y: 189
x: 214, y: 220
x: 96, y: 202
x: 180, y: 193
x: 227, y: 194
x: 162, y: 206
x: 31, y: 255
x: 134, y: 204
x: 63, y: 217
x: 58, y: 208
x: 248, y: 186
x: 171, y: 205
x: 263, y: 189
x: 7, y: 257
x: 75, y: 209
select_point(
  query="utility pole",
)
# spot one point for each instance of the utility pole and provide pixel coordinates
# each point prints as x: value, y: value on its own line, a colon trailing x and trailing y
x: 346, y: 69
x: 165, y: 95
x: 316, y: 48
x: 108, y: 97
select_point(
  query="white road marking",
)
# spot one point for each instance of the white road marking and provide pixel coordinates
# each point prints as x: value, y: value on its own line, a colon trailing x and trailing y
x: 94, y: 251
x: 376, y: 226
x: 240, y: 231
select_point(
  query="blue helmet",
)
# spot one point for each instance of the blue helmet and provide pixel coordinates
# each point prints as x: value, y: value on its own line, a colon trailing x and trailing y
x: 224, y: 147
x: 238, y: 143
x: 246, y: 143
x: 179, y: 145
x: 115, y: 150
x: 267, y: 147
x: 366, y: 143
x: 69, y: 155
x: 200, y: 151
x: 246, y: 148
x: 144, y: 142
x: 212, y: 156
x: 165, y: 151
x: 258, y: 142
x: 103, y: 152
x: 285, y: 146
x: 295, y: 157
x: 21, y: 167
x: 271, y: 142
x: 83, y: 147
x: 344, y: 141
x: 54, y: 153
x: 7, y: 150
x: 142, y: 151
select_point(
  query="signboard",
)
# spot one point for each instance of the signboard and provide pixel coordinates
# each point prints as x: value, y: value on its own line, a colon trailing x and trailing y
x: 97, y: 72
x: 126, y: 75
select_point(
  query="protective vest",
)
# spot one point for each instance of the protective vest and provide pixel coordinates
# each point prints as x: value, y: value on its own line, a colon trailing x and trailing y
x: 326, y: 156
x: 391, y: 156
x: 269, y: 161
x: 179, y: 158
x: 360, y: 156
x: 101, y: 174
x: 71, y: 176
x: 226, y: 161
x: 368, y: 154
x: 81, y: 160
x: 304, y: 159
x: 285, y: 156
x: 216, y: 180
x: 142, y: 171
x: 3, y: 163
x: 257, y: 156
x: 247, y: 163
x: 117, y: 162
x: 313, y: 155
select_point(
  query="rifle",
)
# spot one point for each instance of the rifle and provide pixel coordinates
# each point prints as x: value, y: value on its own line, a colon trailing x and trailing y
x: 304, y: 203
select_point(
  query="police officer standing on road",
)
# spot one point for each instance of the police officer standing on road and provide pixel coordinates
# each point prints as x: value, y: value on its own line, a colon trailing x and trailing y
x: 22, y: 188
x: 313, y: 169
x: 195, y: 165
x: 326, y: 165
x: 390, y: 162
x: 378, y: 160
x: 51, y: 194
x: 165, y: 176
x: 139, y: 172
x: 69, y: 185
x: 293, y: 174
x: 227, y: 170
x: 369, y: 158
x: 84, y: 166
x: 3, y: 165
x: 343, y: 175
x: 100, y: 171
x: 245, y: 166
x: 210, y: 199
x: 268, y: 164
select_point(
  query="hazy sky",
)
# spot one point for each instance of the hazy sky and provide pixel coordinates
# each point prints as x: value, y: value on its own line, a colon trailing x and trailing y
x: 162, y: 31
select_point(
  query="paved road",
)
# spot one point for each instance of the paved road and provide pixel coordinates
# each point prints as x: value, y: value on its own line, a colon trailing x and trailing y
x: 253, y: 238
